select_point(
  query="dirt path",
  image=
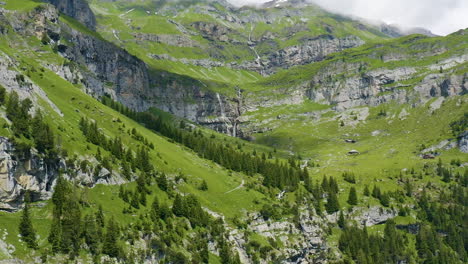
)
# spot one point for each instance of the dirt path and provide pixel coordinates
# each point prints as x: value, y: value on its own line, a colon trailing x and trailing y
x: 238, y: 187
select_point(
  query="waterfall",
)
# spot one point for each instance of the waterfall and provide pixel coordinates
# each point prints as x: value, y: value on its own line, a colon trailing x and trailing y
x: 221, y: 106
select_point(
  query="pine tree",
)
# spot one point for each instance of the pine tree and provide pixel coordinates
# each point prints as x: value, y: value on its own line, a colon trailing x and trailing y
x: 110, y: 246
x: 325, y: 184
x: 204, y: 186
x: 162, y: 182
x: 100, y: 217
x: 224, y: 252
x: 332, y: 205
x: 2, y: 95
x: 155, y: 210
x: 366, y: 190
x: 178, y: 208
x: 26, y: 229
x: 55, y: 234
x: 385, y: 199
x: 341, y: 220
x: 306, y: 179
x: 318, y: 207
x: 408, y: 188
x: 71, y: 225
x: 135, y: 202
x: 376, y: 193
x: 143, y: 198
x: 90, y: 233
x: 352, y: 198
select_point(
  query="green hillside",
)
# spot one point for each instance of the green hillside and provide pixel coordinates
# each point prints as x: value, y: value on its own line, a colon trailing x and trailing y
x: 377, y: 177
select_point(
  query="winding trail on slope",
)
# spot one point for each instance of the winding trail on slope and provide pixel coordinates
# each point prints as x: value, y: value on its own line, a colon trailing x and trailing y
x: 238, y: 187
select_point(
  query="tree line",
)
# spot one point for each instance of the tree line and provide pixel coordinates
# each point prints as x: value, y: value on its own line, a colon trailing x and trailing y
x: 276, y: 174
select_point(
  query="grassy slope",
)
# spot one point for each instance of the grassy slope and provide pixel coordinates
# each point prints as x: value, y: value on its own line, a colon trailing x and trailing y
x: 418, y: 51
x: 171, y: 158
x: 127, y: 18
x: 395, y: 148
x: 382, y: 156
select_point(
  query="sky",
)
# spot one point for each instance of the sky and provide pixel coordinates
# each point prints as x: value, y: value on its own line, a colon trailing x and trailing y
x: 442, y: 17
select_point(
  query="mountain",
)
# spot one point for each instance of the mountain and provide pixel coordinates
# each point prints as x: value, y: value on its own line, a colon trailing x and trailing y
x: 198, y: 132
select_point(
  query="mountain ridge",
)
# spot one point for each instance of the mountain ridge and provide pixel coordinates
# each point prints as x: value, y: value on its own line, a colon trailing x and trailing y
x: 356, y: 144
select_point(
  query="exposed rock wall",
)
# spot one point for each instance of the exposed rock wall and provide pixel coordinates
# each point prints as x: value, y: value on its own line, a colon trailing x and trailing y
x: 78, y: 9
x: 106, y: 68
x: 20, y: 173
x: 310, y: 50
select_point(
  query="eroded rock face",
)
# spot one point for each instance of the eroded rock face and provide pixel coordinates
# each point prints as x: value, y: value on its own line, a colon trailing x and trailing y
x: 19, y: 174
x: 78, y: 9
x: 107, y: 69
x: 463, y: 142
x: 310, y: 50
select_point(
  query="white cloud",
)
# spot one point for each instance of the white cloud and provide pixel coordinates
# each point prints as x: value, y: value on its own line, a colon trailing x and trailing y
x: 440, y: 16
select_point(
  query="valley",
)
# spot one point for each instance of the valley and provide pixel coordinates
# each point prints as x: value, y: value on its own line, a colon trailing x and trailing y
x: 151, y: 131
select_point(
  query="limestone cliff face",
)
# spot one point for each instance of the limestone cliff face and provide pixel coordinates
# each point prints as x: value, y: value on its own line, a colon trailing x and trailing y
x: 78, y: 9
x: 382, y: 85
x: 28, y: 171
x: 20, y: 173
x: 110, y: 69
x: 102, y: 67
x: 310, y: 50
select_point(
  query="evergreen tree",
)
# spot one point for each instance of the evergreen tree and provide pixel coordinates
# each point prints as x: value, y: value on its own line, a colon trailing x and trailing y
x: 71, y: 226
x: 2, y: 95
x: 178, y: 208
x: 408, y: 188
x: 366, y: 190
x: 325, y: 184
x: 385, y: 199
x: 376, y: 193
x: 135, y: 202
x: 162, y: 182
x: 110, y: 246
x: 352, y: 198
x: 91, y: 233
x: 155, y: 210
x: 341, y: 220
x: 318, y: 207
x: 224, y: 253
x: 100, y: 217
x: 26, y: 229
x: 55, y: 234
x: 306, y: 179
x: 332, y: 205
x: 204, y: 186
x: 42, y: 134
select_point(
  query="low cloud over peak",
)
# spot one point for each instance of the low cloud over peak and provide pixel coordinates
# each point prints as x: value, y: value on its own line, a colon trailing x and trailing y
x: 440, y: 16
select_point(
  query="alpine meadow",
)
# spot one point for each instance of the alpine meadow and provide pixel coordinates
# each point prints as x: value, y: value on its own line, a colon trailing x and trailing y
x: 208, y: 131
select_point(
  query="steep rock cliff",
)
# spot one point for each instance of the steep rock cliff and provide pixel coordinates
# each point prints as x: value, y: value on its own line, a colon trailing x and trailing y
x: 20, y: 173
x: 78, y: 9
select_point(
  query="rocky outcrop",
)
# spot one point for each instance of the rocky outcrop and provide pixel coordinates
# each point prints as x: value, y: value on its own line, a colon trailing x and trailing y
x: 104, y: 68
x: 310, y: 50
x: 78, y: 9
x: 463, y: 142
x: 20, y: 173
x: 212, y: 31
x: 110, y: 69
x: 378, y: 86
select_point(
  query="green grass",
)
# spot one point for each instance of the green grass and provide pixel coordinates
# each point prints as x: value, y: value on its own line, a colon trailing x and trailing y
x: 382, y: 156
x: 21, y: 5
